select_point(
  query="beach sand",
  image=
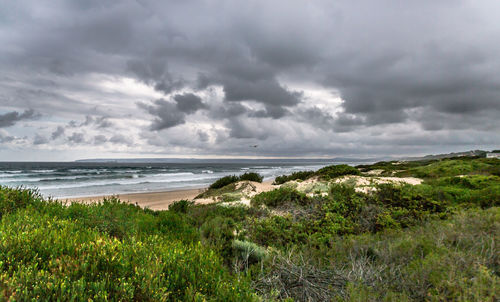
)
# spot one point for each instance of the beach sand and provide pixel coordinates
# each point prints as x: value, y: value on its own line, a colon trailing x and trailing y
x: 151, y: 200
x: 161, y: 200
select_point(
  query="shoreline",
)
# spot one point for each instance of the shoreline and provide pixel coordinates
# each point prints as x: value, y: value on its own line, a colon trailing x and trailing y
x: 152, y: 200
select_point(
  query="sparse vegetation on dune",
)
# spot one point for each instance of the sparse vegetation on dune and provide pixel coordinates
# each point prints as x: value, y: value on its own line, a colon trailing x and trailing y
x: 317, y: 239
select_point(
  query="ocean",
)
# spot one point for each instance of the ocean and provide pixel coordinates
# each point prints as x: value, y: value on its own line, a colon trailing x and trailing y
x: 79, y: 179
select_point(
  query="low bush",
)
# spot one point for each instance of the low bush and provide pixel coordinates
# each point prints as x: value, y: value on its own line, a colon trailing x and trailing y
x: 451, y: 260
x: 251, y: 176
x: 230, y: 179
x: 336, y: 171
x: 300, y: 175
x: 224, y: 181
x: 278, y: 231
x: 12, y: 199
x: 52, y: 259
x: 280, y: 197
x: 219, y: 233
x: 249, y: 252
x: 180, y: 206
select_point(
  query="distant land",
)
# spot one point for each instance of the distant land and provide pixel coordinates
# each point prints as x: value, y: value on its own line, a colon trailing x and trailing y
x: 230, y: 160
x: 472, y: 153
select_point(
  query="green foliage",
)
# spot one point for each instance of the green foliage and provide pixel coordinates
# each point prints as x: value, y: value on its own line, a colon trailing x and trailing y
x: 435, y: 241
x: 280, y: 197
x: 336, y: 171
x: 13, y: 199
x: 450, y: 260
x: 251, y: 176
x: 277, y: 231
x: 180, y: 206
x: 454, y: 167
x: 219, y: 233
x: 230, y: 179
x: 47, y: 258
x: 300, y: 175
x: 249, y: 252
x: 224, y: 181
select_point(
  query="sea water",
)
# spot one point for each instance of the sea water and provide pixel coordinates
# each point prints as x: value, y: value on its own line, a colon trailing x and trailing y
x: 79, y: 179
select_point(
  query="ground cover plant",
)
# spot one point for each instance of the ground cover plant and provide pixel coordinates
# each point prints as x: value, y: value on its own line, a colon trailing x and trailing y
x: 436, y: 241
x: 107, y: 251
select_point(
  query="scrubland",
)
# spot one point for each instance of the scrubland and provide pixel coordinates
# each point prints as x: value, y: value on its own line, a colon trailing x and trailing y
x: 391, y: 231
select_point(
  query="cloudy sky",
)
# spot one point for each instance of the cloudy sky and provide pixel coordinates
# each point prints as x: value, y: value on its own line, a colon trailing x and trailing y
x: 90, y: 79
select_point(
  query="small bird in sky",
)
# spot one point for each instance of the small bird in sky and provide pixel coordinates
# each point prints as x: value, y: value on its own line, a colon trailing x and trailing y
x: 254, y: 146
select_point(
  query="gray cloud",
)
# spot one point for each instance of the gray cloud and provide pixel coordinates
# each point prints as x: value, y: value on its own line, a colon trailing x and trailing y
x: 100, y: 139
x: 10, y: 118
x: 167, y: 114
x: 188, y: 102
x: 76, y: 138
x: 40, y: 140
x: 229, y: 73
x: 5, y: 138
x: 120, y: 139
x: 58, y: 132
x: 154, y: 71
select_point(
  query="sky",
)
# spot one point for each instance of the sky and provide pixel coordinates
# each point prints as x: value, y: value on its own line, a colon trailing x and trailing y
x: 118, y: 79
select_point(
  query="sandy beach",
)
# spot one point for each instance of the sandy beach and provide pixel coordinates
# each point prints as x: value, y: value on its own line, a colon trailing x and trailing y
x: 161, y: 200
x: 151, y: 200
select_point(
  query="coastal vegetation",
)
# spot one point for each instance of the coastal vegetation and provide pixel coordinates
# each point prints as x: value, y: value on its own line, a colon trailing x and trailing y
x: 300, y: 175
x: 390, y: 231
x: 230, y: 179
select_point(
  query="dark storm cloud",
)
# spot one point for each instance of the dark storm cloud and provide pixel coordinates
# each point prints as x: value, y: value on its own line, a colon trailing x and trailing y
x: 173, y: 113
x: 167, y: 114
x: 10, y: 118
x: 431, y: 66
x: 242, y: 129
x: 154, y: 71
x: 188, y: 102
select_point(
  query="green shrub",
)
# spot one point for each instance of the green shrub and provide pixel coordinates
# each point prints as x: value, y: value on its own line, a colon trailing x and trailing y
x: 336, y: 171
x: 451, y: 260
x: 219, y: 233
x: 249, y: 252
x: 13, y: 199
x: 230, y: 179
x: 251, y: 176
x: 46, y: 258
x: 280, y: 197
x: 300, y: 175
x: 224, y: 181
x: 277, y: 231
x: 180, y: 206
